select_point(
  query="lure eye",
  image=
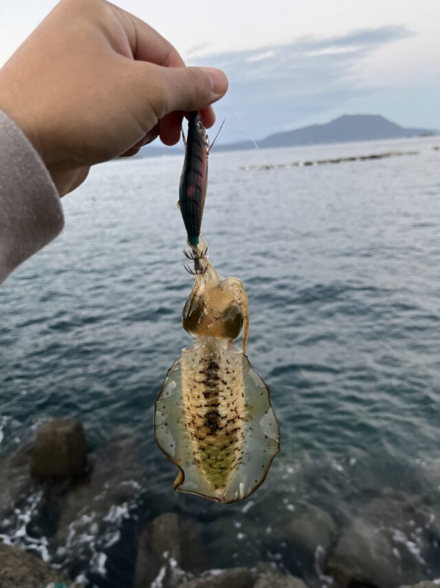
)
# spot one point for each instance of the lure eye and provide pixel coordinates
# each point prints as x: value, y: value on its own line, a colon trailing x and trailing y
x: 199, y: 125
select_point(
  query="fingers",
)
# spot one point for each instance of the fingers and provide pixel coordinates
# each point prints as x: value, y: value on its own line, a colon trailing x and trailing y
x: 162, y: 95
x: 149, y: 46
x: 130, y: 152
x: 171, y: 125
x: 170, y: 128
x: 188, y: 89
x: 208, y: 117
x: 146, y: 140
x: 178, y: 88
x: 146, y: 43
x: 192, y: 88
x: 150, y: 136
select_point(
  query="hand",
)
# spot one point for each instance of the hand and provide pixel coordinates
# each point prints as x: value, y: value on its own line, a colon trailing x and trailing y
x: 93, y: 82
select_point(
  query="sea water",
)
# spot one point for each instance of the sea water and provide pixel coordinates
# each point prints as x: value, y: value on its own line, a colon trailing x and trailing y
x: 342, y: 268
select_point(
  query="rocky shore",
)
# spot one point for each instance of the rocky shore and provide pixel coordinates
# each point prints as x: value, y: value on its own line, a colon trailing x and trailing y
x: 63, y: 506
x: 19, y: 569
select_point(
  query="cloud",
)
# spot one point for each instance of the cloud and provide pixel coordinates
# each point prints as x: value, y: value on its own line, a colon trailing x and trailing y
x: 277, y: 87
x: 368, y: 37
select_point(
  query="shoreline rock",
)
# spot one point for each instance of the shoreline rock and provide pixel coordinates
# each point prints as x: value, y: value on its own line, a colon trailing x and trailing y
x: 75, y: 502
x: 232, y: 578
x: 20, y: 569
x: 79, y: 503
x: 382, y: 546
x: 310, y: 527
x: 170, y: 546
x: 243, y: 578
x: 60, y: 450
x: 15, y: 481
x: 278, y: 581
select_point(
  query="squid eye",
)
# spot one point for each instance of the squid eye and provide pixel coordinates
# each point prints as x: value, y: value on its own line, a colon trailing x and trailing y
x: 199, y: 125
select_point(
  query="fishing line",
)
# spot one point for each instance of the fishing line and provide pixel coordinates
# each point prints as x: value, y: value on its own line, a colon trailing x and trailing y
x: 382, y: 342
x: 240, y: 118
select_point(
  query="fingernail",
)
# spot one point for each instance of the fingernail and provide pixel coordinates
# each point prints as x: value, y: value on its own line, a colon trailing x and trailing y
x: 219, y: 81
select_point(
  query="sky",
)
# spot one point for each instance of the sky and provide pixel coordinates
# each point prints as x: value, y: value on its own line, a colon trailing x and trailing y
x: 292, y: 63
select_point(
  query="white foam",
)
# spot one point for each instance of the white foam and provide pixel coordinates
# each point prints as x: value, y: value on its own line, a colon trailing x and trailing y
x: 412, y: 547
x: 98, y: 563
x: 247, y: 506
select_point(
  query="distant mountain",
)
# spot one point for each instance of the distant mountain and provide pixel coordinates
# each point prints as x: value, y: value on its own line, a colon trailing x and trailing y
x: 347, y: 128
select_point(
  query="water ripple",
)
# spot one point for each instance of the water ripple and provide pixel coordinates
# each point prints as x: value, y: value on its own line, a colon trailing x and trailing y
x: 341, y: 270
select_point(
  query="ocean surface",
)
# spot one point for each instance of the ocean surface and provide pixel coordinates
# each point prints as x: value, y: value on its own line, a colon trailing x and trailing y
x: 342, y: 268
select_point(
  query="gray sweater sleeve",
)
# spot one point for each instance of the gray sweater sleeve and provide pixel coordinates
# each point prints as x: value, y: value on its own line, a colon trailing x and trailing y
x: 30, y: 209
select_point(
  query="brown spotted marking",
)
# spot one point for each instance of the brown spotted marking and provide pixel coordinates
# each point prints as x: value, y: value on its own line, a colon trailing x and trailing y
x: 216, y: 440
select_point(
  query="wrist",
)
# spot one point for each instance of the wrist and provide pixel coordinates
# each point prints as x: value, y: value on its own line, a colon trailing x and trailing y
x: 15, y: 108
x: 21, y: 113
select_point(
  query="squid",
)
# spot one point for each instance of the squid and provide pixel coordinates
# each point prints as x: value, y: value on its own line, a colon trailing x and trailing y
x: 213, y: 416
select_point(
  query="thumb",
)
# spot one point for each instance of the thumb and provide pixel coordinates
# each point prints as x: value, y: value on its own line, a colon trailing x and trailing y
x: 193, y: 88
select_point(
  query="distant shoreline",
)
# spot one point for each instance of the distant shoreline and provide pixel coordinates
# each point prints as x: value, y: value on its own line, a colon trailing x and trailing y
x: 151, y: 151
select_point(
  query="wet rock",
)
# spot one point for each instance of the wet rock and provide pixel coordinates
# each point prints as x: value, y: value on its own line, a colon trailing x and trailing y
x: 14, y: 480
x: 243, y: 578
x: 19, y: 569
x: 309, y: 526
x: 292, y: 528
x: 276, y: 581
x: 60, y: 449
x: 425, y: 585
x: 431, y: 478
x: 233, y: 578
x: 169, y: 546
x: 384, y: 544
x: 230, y: 537
x: 92, y: 511
x: 267, y: 567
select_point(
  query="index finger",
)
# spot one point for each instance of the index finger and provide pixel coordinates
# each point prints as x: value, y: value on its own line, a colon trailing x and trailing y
x: 148, y: 45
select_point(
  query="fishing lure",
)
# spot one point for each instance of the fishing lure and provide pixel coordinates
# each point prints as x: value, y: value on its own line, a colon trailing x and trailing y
x: 213, y: 417
x: 194, y: 178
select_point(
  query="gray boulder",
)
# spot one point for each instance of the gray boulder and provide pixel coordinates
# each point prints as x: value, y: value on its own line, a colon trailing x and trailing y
x: 14, y: 480
x: 60, y: 449
x: 243, y: 578
x: 233, y: 578
x: 276, y: 581
x: 309, y: 526
x: 169, y: 547
x: 91, y: 510
x: 383, y: 546
x: 229, y: 535
x: 19, y: 569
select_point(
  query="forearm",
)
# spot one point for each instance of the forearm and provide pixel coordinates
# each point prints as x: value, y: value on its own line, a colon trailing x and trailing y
x: 30, y: 210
